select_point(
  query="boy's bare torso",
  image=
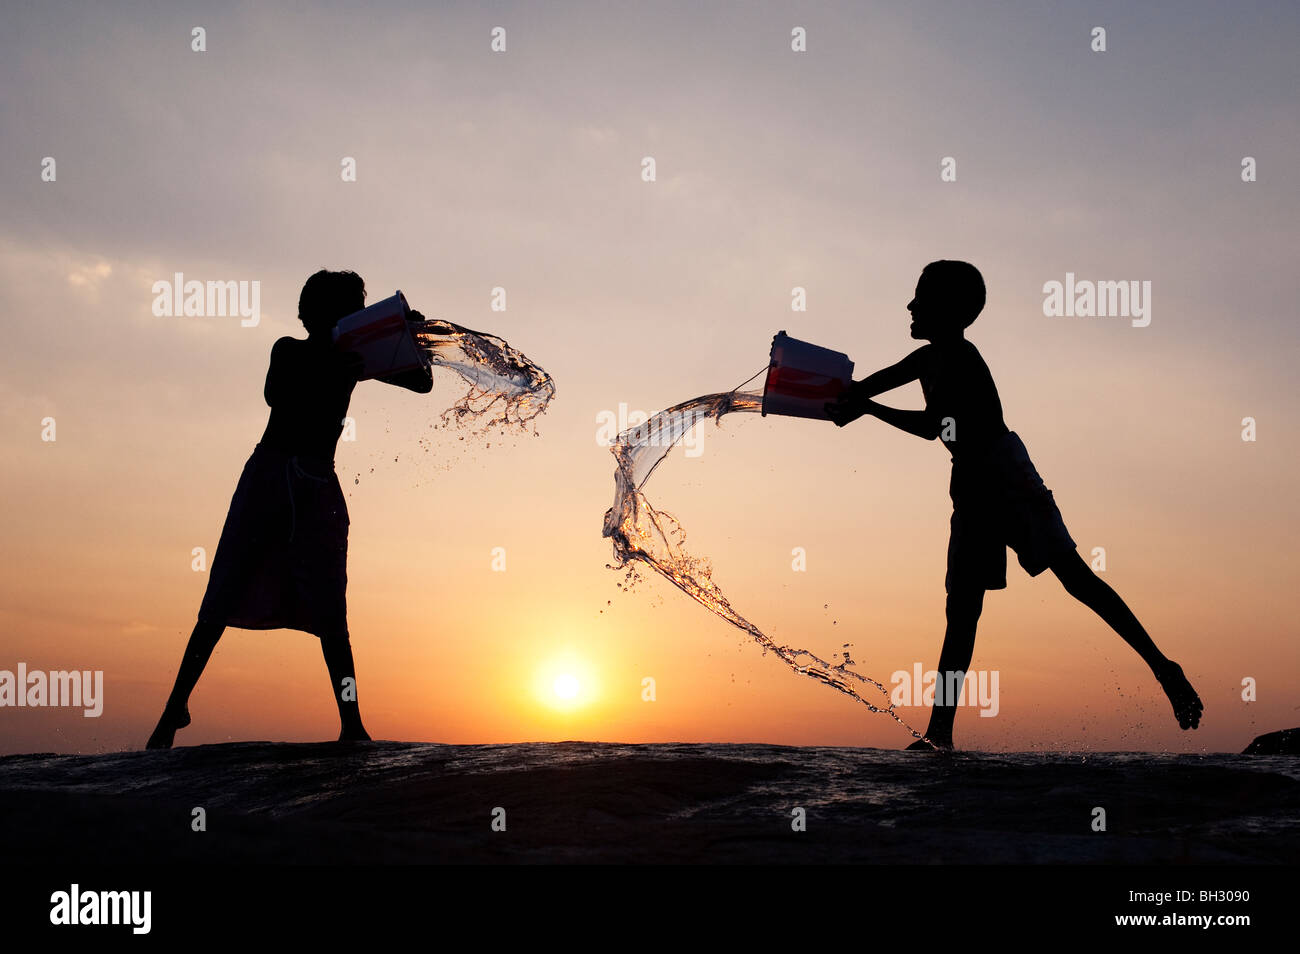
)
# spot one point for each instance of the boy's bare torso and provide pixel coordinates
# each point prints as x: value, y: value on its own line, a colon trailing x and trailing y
x: 960, y: 396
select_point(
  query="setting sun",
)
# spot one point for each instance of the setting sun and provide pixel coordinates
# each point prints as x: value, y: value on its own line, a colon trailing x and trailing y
x: 566, y: 686
x: 565, y: 682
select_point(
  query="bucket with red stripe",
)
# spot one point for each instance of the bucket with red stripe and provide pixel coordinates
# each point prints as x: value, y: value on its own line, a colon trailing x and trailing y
x: 802, y: 377
x: 382, y: 336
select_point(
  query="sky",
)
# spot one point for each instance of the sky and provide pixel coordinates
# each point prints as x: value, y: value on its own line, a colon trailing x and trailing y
x: 774, y: 169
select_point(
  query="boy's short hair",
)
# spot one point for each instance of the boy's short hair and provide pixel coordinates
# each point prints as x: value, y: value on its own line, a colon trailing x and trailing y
x: 328, y: 296
x: 960, y: 286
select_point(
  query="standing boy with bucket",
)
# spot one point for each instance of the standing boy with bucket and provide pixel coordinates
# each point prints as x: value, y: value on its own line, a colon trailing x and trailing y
x: 998, y: 498
x: 281, y: 562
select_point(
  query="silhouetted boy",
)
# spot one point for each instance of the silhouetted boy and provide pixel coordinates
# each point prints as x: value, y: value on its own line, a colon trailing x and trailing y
x: 997, y: 496
x: 281, y: 562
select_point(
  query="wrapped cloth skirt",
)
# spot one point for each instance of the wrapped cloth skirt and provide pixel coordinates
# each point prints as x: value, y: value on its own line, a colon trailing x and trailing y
x: 282, y: 559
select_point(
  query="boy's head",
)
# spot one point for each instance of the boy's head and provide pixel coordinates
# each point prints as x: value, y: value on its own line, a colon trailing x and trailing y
x: 328, y: 296
x: 949, y: 296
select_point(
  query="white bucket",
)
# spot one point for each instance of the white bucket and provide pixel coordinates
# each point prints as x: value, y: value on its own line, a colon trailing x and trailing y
x: 802, y: 377
x: 382, y: 336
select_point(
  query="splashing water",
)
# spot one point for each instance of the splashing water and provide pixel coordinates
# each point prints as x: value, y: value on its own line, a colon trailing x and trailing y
x: 506, y: 388
x: 642, y: 534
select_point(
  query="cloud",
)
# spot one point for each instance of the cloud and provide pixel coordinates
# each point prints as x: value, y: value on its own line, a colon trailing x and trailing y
x: 89, y: 276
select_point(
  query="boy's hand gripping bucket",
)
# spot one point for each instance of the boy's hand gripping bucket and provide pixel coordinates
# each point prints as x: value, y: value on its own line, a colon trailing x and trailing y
x: 382, y: 336
x: 802, y: 377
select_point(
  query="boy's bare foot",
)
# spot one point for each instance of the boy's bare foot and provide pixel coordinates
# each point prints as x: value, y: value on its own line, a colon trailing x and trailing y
x: 928, y: 745
x: 171, y: 721
x: 1186, y: 703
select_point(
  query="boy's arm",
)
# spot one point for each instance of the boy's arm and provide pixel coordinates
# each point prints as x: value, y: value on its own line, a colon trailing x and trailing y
x: 419, y: 380
x: 855, y: 400
x: 272, y: 390
x: 894, y: 376
x: 920, y: 423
